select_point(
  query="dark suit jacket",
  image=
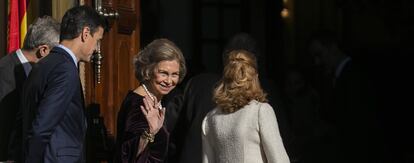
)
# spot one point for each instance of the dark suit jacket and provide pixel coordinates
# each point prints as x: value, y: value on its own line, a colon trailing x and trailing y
x: 354, y: 114
x: 12, y: 76
x: 186, y: 136
x: 54, y: 122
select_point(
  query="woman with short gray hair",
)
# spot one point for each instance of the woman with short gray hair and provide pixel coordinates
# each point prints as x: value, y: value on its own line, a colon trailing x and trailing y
x: 141, y: 135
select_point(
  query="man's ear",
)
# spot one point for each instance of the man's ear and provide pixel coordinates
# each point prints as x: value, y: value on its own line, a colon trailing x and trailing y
x: 85, y: 33
x: 43, y: 50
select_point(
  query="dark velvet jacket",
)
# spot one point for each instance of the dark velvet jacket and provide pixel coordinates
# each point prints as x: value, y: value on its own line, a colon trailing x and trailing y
x: 131, y: 125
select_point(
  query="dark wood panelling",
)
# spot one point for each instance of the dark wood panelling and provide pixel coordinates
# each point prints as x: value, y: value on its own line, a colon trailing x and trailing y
x: 120, y: 44
x: 127, y: 24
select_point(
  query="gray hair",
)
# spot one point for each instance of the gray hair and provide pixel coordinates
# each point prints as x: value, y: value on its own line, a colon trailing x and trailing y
x: 43, y: 31
x: 155, y: 52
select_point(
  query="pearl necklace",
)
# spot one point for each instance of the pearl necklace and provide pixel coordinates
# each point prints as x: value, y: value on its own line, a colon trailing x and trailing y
x: 151, y: 96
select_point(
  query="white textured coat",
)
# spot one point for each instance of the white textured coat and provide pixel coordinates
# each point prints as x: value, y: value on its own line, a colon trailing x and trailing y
x: 249, y: 135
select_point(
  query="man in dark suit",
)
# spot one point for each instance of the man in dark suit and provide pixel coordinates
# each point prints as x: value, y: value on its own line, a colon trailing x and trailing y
x: 196, y: 102
x: 351, y: 106
x: 41, y: 37
x: 54, y: 122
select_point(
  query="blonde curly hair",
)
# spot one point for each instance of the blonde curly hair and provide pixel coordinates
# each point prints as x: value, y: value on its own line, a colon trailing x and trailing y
x: 240, y: 82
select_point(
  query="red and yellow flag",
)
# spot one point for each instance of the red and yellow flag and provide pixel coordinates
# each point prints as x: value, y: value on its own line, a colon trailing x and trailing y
x: 17, y: 24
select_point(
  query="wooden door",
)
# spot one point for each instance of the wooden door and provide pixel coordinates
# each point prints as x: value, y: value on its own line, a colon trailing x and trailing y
x: 118, y: 47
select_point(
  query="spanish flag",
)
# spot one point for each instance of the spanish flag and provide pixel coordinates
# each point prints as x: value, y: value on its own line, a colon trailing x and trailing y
x: 17, y: 24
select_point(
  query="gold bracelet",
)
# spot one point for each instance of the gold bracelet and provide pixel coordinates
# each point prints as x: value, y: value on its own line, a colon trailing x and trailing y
x: 147, y: 135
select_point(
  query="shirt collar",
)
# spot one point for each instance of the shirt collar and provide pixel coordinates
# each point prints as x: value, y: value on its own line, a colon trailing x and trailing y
x: 341, y: 66
x: 26, y: 65
x: 70, y: 53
